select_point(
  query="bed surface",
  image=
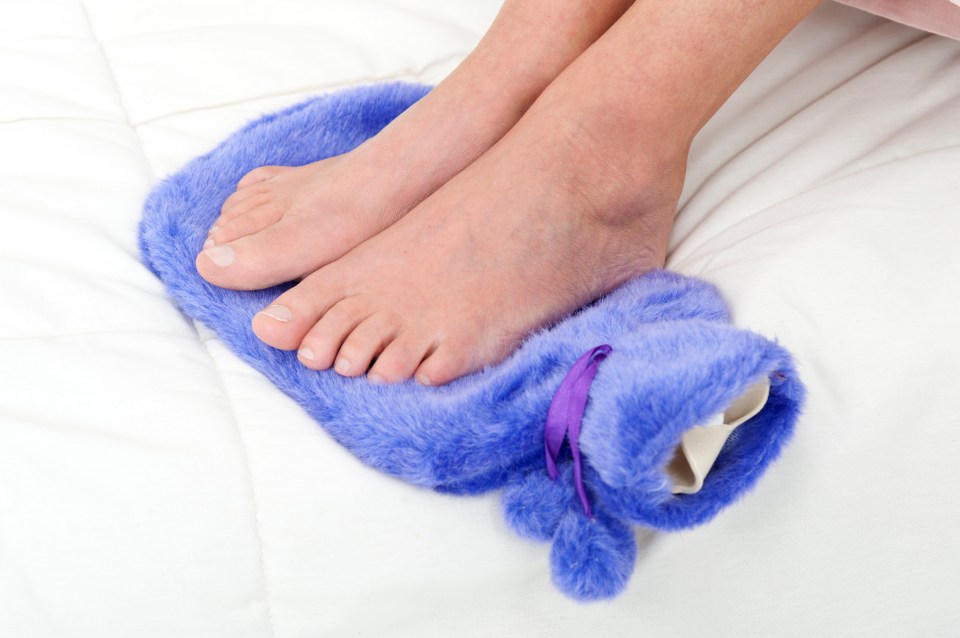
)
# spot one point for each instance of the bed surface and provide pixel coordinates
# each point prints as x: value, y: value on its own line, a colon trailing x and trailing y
x: 151, y: 484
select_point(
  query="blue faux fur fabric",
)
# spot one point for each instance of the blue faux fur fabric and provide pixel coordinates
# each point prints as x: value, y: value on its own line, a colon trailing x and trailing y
x: 676, y: 361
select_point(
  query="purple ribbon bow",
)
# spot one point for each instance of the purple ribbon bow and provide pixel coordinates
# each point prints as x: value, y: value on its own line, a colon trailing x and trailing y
x: 566, y: 414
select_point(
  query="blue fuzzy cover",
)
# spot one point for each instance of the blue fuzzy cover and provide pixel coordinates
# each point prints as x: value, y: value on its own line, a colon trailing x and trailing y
x: 676, y: 361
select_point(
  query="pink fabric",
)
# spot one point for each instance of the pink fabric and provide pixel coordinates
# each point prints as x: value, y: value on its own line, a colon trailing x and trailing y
x: 936, y: 16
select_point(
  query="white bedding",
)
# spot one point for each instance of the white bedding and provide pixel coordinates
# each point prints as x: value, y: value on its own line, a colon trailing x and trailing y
x: 153, y: 485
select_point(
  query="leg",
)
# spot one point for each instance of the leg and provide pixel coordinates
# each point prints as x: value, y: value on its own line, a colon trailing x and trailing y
x: 285, y: 222
x: 578, y: 197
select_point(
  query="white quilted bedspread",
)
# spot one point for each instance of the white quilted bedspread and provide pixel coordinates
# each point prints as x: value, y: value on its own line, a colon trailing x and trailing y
x: 153, y: 485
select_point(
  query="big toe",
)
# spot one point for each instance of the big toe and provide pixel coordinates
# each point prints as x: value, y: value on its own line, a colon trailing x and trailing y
x: 280, y: 252
x: 307, y: 308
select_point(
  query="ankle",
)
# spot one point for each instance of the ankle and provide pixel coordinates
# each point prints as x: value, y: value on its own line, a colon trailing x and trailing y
x: 632, y: 168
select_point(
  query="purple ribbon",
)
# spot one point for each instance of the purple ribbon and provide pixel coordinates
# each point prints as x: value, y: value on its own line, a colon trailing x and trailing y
x: 566, y: 414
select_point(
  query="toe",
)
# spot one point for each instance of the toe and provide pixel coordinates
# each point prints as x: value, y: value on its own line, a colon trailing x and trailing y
x: 280, y: 252
x: 446, y: 363
x: 243, y: 201
x: 261, y: 174
x: 320, y: 345
x: 400, y: 358
x: 253, y: 222
x: 366, y: 341
x: 284, y: 323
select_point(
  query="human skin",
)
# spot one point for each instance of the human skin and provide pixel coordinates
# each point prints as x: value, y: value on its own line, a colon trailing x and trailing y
x: 286, y: 222
x: 576, y: 198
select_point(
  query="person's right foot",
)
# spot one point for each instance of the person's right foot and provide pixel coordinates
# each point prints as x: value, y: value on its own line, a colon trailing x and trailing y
x: 283, y: 223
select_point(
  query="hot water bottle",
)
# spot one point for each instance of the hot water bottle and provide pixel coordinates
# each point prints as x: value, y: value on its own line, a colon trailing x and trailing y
x: 646, y: 407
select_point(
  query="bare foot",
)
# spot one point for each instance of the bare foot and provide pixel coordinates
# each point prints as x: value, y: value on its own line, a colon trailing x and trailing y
x: 578, y: 197
x: 536, y: 228
x: 285, y: 222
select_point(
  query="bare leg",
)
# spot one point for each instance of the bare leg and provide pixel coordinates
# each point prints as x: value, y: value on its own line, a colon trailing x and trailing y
x: 578, y: 197
x: 285, y: 222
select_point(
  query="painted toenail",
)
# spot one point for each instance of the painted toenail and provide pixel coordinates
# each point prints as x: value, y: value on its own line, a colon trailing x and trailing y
x: 209, y: 243
x: 280, y: 313
x: 342, y: 366
x: 306, y: 353
x: 220, y: 255
x: 376, y: 379
x: 423, y: 379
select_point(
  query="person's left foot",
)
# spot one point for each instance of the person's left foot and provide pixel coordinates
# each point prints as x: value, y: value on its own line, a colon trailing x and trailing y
x: 536, y: 228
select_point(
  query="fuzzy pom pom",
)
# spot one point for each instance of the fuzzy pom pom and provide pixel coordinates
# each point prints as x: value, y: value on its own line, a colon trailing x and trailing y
x: 592, y: 558
x: 675, y: 362
x: 533, y: 504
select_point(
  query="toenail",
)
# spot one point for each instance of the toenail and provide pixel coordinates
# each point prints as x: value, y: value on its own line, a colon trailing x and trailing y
x: 209, y: 243
x: 280, y: 313
x: 423, y: 379
x: 342, y: 366
x: 213, y: 229
x: 306, y: 353
x: 220, y: 255
x: 376, y: 379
